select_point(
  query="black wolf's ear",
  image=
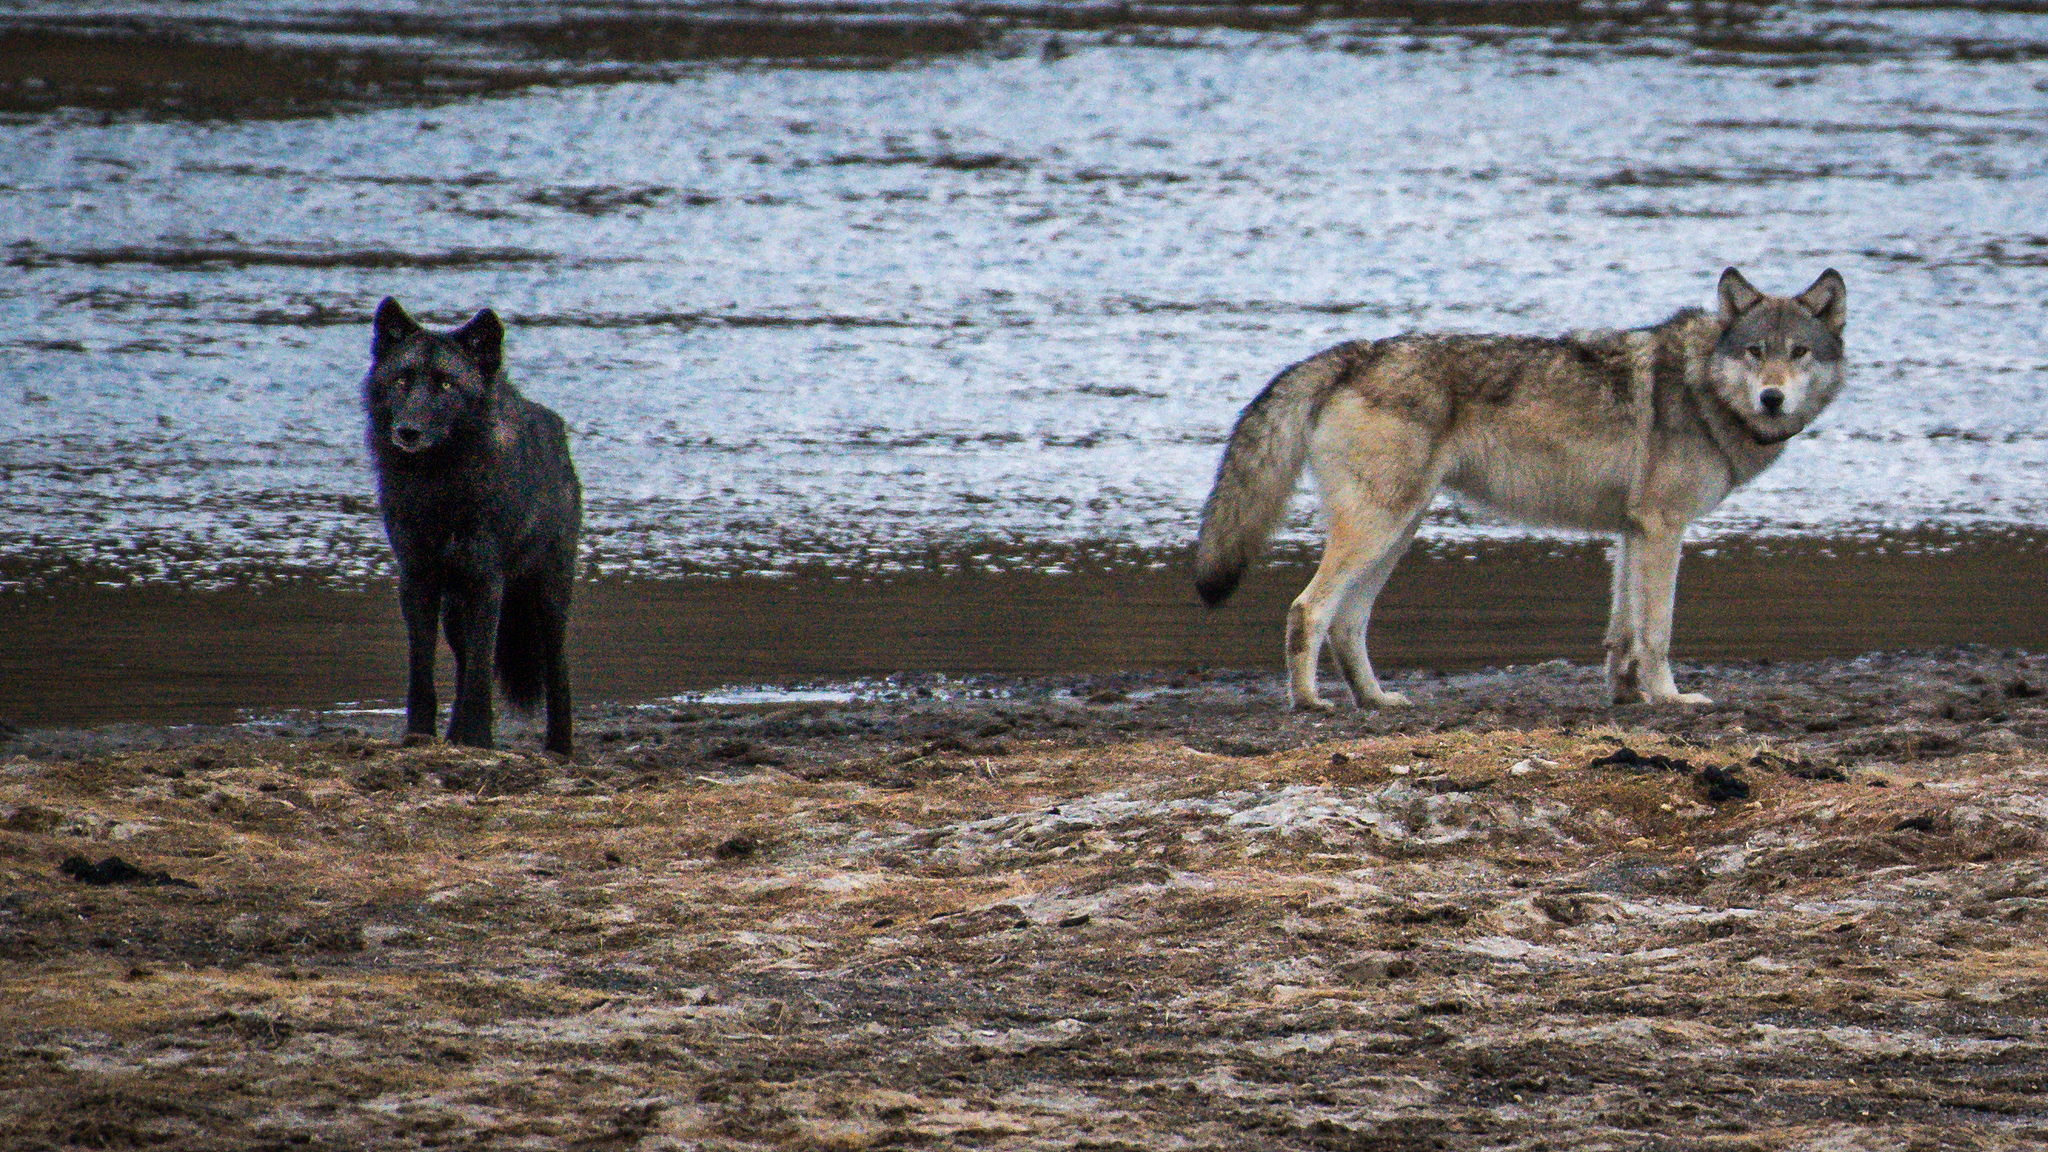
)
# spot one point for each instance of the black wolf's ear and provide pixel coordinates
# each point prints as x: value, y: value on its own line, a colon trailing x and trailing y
x: 484, y: 339
x: 391, y: 326
x: 1737, y: 296
x: 1828, y: 300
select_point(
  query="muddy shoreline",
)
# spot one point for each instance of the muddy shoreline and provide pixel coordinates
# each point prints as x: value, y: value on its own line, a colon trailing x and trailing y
x: 1140, y: 911
x: 176, y: 656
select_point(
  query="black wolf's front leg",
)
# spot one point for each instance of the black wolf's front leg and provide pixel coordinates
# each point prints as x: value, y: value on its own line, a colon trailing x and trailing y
x: 472, y: 625
x: 419, y: 599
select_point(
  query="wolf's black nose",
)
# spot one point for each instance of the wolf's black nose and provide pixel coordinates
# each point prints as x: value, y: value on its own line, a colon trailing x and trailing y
x: 1771, y: 401
x: 407, y: 437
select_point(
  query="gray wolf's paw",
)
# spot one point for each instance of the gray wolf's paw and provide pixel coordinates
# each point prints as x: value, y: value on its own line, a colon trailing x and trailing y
x: 1312, y: 704
x: 1389, y: 700
x: 1685, y: 698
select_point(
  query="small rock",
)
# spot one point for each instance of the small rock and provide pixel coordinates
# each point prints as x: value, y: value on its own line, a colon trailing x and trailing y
x: 737, y: 848
x: 1797, y: 765
x: 114, y: 870
x: 981, y: 921
x: 1626, y: 757
x: 1722, y: 785
x: 1997, y: 740
x: 31, y: 818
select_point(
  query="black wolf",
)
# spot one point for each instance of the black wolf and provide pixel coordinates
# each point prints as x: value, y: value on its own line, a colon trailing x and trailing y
x: 482, y: 506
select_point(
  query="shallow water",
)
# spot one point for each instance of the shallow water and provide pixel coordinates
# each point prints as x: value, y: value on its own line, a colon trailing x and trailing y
x: 830, y: 318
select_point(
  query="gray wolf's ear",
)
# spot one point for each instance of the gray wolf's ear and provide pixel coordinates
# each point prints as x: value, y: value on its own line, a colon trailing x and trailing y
x: 391, y: 326
x: 1828, y: 300
x: 1737, y: 296
x: 484, y: 339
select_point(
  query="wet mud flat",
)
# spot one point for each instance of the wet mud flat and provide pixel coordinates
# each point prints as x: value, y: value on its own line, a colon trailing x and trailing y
x: 1137, y: 911
x: 76, y: 652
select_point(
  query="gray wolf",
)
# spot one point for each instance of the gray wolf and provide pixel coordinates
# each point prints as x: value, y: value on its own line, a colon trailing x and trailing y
x: 1634, y: 432
x: 482, y: 506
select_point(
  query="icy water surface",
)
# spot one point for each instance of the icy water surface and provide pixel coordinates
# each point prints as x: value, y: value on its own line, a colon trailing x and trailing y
x: 1001, y: 294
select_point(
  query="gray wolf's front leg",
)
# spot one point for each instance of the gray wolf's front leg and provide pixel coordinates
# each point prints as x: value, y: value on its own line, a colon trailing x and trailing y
x: 1653, y: 560
x: 1624, y: 682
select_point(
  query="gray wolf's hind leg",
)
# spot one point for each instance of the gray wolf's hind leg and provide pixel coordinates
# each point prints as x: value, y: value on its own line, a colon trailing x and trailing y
x: 1366, y: 540
x: 1347, y: 630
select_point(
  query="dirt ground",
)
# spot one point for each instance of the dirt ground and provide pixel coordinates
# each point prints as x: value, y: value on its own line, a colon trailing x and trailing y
x: 1109, y: 913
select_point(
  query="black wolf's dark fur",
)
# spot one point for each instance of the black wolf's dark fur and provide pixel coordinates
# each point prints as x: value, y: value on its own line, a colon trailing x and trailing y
x: 482, y: 506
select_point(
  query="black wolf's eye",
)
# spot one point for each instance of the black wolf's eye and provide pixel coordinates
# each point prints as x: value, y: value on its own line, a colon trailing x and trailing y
x: 441, y: 381
x: 1799, y: 351
x: 1756, y: 351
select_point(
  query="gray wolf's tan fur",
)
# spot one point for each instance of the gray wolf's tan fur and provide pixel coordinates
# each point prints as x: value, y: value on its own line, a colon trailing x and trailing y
x: 1635, y: 432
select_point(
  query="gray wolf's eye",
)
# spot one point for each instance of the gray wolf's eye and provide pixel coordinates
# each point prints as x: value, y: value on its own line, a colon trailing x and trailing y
x: 1756, y: 351
x: 1799, y: 351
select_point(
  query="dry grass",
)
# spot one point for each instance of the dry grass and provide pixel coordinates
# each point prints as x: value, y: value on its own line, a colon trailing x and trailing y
x: 1389, y: 942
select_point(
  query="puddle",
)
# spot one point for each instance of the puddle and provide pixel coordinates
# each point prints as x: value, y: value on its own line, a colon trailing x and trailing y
x: 772, y: 695
x: 913, y: 687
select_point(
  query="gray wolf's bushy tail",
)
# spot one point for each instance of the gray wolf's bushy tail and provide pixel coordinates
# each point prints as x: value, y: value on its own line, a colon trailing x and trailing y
x: 522, y: 653
x: 1256, y: 478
